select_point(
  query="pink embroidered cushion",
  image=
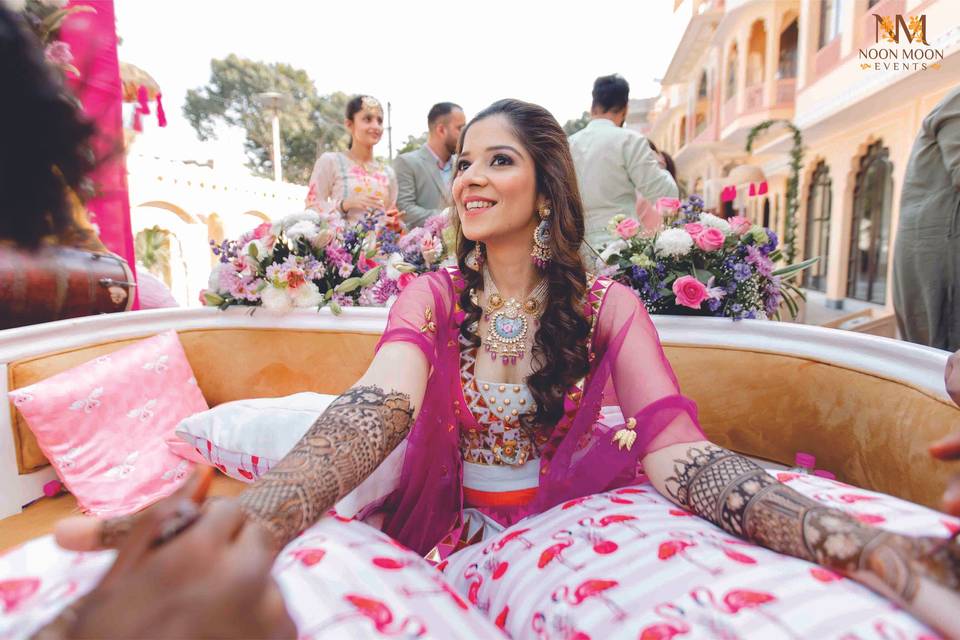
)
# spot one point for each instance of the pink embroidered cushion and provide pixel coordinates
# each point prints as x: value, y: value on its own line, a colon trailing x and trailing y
x: 104, y: 425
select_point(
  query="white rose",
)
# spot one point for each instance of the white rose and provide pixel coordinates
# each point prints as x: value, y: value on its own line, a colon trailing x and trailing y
x: 710, y: 220
x: 673, y: 242
x: 306, y: 295
x: 275, y: 299
x: 305, y: 230
x: 614, y: 247
x: 309, y: 216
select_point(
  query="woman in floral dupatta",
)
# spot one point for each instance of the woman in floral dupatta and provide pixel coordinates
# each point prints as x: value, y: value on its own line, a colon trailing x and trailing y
x: 495, y: 374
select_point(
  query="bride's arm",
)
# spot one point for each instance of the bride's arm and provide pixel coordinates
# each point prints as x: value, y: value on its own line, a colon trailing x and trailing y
x: 738, y: 496
x: 344, y: 446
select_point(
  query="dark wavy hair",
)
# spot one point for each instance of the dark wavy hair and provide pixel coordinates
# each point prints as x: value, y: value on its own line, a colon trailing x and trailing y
x: 560, y: 356
x: 44, y: 153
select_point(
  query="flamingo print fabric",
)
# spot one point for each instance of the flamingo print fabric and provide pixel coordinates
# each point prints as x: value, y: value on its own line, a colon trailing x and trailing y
x: 622, y: 564
x: 104, y: 425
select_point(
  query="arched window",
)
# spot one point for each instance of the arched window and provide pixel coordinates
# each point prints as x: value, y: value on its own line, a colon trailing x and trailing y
x: 787, y: 64
x: 732, y: 72
x: 870, y: 237
x: 817, y: 236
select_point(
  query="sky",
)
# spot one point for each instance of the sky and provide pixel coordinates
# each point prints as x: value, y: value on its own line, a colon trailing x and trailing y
x: 411, y: 53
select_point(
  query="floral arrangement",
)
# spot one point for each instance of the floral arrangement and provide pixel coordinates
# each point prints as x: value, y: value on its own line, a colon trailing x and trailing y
x: 700, y: 264
x: 306, y: 260
x: 45, y: 17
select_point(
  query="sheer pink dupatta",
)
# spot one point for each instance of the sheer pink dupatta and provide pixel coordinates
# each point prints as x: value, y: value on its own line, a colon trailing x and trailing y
x: 581, y: 457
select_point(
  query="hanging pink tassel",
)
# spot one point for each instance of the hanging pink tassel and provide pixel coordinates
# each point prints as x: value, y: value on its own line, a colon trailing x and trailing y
x: 753, y: 189
x: 142, y: 96
x: 728, y: 194
x: 137, y: 120
x: 763, y: 188
x: 161, y: 115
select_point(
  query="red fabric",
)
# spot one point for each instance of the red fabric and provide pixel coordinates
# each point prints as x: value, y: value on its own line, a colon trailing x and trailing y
x: 753, y: 189
x: 142, y: 104
x: 93, y: 39
x: 763, y: 188
x: 728, y: 194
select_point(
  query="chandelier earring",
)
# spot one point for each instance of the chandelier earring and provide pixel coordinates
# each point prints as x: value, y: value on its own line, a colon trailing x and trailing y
x: 475, y: 258
x: 541, y: 253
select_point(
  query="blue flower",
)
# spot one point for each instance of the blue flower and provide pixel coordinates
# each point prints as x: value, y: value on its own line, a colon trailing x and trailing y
x: 714, y: 304
x: 736, y: 307
x: 741, y: 271
x: 731, y: 288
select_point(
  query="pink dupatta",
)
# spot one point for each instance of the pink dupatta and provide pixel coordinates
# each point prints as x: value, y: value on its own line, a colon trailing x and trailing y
x: 581, y: 457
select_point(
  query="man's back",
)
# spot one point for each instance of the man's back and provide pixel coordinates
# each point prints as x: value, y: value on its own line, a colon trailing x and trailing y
x: 613, y: 164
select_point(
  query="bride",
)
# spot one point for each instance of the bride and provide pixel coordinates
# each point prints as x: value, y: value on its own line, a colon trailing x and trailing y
x: 494, y: 373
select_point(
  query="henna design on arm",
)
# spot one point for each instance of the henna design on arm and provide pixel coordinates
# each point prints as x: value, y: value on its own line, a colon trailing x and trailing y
x: 344, y: 446
x: 741, y: 498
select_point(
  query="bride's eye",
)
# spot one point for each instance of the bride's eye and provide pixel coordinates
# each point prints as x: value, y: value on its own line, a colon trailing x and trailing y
x: 501, y: 160
x: 463, y: 165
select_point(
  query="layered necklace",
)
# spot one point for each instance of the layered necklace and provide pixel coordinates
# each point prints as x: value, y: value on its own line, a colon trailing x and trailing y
x: 509, y: 320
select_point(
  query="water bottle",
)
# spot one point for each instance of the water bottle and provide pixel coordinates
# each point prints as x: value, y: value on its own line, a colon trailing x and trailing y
x: 804, y: 463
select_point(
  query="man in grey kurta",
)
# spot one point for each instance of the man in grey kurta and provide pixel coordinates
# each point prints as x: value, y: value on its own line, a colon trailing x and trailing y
x: 614, y: 164
x: 424, y: 175
x: 926, y: 262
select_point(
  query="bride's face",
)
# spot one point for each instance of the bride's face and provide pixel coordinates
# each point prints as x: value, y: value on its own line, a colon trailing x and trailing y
x: 366, y: 126
x: 495, y: 185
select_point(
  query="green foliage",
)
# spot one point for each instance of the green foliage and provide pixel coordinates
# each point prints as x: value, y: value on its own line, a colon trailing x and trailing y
x: 413, y: 143
x: 793, y: 182
x: 572, y: 126
x: 310, y: 124
x: 152, y: 248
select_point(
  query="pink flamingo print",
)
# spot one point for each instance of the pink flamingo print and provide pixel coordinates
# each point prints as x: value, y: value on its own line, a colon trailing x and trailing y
x: 444, y: 589
x: 592, y: 588
x: 580, y: 502
x: 560, y: 626
x: 501, y: 620
x: 495, y: 567
x: 666, y: 630
x: 390, y: 564
x: 308, y: 556
x: 888, y: 631
x: 14, y: 593
x: 555, y: 552
x: 616, y: 518
x: 473, y: 591
x: 737, y: 600
x: 379, y: 614
x: 678, y: 547
x: 517, y: 535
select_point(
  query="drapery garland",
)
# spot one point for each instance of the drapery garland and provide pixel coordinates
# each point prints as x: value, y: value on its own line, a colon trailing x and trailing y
x: 793, y: 182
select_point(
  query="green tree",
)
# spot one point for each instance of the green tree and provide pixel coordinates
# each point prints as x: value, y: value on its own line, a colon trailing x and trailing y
x: 152, y: 248
x: 413, y: 143
x: 308, y: 124
x: 572, y: 126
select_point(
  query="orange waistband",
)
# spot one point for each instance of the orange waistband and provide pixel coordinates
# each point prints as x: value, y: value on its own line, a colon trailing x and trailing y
x: 518, y: 498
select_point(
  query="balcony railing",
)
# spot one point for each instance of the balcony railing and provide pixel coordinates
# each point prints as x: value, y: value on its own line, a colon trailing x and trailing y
x: 754, y: 98
x: 707, y: 134
x: 786, y: 91
x: 827, y: 58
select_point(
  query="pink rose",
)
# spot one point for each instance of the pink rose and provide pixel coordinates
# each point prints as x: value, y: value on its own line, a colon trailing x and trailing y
x: 667, y: 205
x: 694, y: 229
x: 689, y: 291
x: 628, y: 228
x: 405, y: 279
x: 739, y: 225
x: 710, y: 239
x: 59, y: 53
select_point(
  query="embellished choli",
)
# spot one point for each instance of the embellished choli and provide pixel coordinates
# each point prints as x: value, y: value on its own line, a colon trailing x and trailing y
x: 460, y: 444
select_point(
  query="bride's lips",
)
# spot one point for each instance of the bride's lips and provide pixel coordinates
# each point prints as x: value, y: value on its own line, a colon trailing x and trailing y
x: 485, y: 206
